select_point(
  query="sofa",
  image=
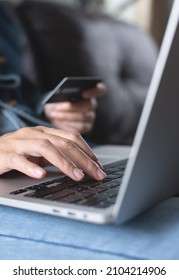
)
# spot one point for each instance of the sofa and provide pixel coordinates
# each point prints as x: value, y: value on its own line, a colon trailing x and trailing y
x: 65, y: 41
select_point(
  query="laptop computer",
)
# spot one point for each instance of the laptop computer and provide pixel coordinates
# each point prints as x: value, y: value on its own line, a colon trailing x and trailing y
x: 137, y: 180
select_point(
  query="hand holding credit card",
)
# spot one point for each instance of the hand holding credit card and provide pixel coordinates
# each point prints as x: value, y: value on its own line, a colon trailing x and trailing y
x: 71, y: 89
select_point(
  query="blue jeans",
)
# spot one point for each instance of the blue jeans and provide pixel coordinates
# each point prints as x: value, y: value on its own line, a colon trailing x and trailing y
x: 29, y: 235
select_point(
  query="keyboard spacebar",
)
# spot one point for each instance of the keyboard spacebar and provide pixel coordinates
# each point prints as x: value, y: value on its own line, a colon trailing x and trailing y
x: 47, y: 191
x: 60, y: 194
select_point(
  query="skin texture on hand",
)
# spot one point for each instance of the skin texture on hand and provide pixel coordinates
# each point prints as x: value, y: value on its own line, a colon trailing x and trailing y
x: 28, y: 150
x: 77, y: 116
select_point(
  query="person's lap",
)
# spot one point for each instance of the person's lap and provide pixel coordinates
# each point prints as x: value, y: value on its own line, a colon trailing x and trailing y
x: 29, y: 235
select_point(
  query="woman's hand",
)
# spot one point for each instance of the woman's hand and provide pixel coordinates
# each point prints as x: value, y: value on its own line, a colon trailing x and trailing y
x: 28, y: 150
x: 77, y: 116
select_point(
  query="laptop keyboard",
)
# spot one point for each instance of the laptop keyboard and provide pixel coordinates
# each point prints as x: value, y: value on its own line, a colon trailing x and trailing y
x: 88, y: 192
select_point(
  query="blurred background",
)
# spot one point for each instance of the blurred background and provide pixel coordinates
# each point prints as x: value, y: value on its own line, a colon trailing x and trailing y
x: 152, y: 15
x: 90, y: 38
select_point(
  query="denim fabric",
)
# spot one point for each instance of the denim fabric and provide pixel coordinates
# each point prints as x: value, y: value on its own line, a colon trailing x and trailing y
x: 9, y: 121
x: 10, y: 46
x: 13, y: 84
x: 29, y: 235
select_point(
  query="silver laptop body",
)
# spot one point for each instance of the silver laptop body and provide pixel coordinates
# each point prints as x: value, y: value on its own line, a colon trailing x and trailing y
x: 151, y: 174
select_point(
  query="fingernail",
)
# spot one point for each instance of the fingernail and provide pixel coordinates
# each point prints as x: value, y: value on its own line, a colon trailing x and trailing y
x: 101, y: 85
x: 37, y: 171
x: 78, y: 173
x: 101, y: 175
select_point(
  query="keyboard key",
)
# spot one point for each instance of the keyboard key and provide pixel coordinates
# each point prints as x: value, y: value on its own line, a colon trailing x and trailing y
x: 45, y: 192
x: 61, y: 194
x: 18, y: 191
x: 72, y: 198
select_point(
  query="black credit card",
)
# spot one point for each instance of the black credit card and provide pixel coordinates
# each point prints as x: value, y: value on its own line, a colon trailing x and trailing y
x: 70, y: 89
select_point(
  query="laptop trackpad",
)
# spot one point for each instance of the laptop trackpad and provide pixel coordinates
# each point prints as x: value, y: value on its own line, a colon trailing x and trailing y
x: 111, y: 153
